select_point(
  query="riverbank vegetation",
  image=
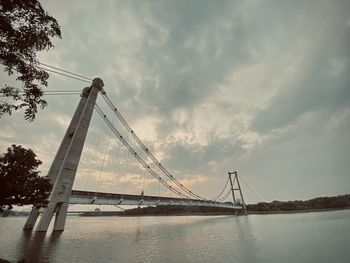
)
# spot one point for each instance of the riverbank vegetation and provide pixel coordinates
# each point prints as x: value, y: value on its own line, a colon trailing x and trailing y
x: 319, y: 203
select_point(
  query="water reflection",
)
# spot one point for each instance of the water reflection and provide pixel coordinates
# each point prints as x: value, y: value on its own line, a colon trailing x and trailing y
x: 36, y: 247
x: 246, y: 242
x: 268, y: 238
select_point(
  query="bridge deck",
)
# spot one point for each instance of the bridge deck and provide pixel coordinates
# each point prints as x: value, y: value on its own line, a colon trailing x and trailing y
x: 98, y: 198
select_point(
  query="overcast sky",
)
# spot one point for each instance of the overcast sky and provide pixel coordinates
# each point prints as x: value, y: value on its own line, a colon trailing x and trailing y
x: 261, y: 87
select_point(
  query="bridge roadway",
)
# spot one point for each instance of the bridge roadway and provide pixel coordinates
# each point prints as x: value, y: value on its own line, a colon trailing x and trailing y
x: 99, y: 198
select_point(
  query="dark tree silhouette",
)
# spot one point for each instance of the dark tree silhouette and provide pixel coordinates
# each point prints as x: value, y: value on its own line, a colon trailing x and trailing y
x: 25, y: 29
x: 20, y: 183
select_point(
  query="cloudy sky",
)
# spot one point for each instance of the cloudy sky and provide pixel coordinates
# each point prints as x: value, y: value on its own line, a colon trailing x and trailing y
x: 261, y: 87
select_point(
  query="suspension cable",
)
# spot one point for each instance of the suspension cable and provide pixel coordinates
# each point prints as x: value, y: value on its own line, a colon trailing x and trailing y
x: 103, y: 161
x: 61, y: 93
x: 225, y: 196
x: 46, y: 92
x: 222, y: 191
x: 251, y: 190
x: 141, y: 161
x: 114, y: 170
x: 146, y: 150
x: 66, y: 71
x: 63, y: 74
x: 68, y: 75
x: 68, y: 91
x: 92, y: 160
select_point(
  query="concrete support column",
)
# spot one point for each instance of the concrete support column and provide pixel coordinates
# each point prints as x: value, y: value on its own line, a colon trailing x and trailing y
x: 31, y: 219
x: 59, y: 157
x: 60, y: 194
x: 61, y: 216
x: 46, y: 216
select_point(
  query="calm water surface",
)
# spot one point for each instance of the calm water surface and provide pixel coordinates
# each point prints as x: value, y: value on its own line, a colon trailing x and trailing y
x: 310, y: 237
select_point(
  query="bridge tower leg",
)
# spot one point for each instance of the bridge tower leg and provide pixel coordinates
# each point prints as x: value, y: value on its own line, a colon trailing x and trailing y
x: 65, y: 165
x: 58, y: 160
x: 237, y: 189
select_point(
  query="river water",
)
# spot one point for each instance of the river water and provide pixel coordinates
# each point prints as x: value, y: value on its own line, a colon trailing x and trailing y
x: 309, y: 237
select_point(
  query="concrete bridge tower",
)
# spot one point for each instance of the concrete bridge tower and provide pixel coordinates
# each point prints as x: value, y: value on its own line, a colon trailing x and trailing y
x: 65, y: 164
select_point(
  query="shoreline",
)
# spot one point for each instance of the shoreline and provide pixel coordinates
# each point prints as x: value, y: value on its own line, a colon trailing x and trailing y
x: 222, y: 214
x: 296, y: 211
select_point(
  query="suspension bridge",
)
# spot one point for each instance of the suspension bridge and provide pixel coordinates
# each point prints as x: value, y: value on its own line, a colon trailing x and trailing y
x: 64, y: 167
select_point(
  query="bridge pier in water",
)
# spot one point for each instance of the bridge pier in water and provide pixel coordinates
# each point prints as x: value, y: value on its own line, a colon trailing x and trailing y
x: 64, y: 167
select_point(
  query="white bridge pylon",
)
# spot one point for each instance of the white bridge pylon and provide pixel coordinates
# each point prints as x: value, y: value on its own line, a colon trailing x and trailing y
x: 65, y: 165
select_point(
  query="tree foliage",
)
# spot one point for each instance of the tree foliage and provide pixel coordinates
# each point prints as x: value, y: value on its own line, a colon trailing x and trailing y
x: 25, y: 29
x: 332, y: 202
x: 20, y: 183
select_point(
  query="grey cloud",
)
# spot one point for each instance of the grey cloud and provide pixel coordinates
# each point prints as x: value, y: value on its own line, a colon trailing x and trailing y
x: 194, y: 158
x: 315, y: 87
x: 189, y: 73
x: 306, y: 161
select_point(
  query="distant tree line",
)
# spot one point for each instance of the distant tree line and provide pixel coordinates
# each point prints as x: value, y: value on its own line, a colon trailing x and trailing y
x: 334, y: 202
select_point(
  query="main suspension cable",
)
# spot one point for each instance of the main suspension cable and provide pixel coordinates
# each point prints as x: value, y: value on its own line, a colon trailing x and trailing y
x: 225, y: 196
x: 147, y: 151
x: 66, y: 71
x: 222, y: 191
x: 251, y: 190
x: 44, y: 92
x: 63, y: 74
x: 132, y: 151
